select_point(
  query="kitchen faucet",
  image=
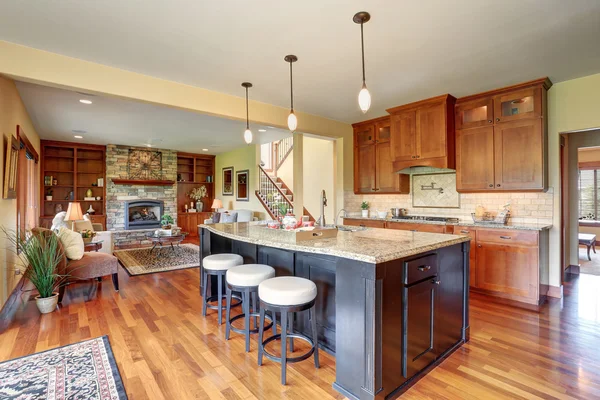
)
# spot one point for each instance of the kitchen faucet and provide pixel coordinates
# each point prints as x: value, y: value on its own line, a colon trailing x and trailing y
x: 321, y: 220
x: 337, y: 216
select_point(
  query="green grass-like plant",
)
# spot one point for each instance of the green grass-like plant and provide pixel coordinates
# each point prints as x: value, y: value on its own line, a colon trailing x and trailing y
x: 39, y: 256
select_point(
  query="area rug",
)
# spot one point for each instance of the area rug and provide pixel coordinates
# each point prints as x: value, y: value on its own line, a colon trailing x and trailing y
x: 84, y: 370
x: 147, y: 261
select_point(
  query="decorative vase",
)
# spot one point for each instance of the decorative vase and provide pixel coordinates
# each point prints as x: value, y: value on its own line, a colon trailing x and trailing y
x: 90, y: 210
x: 87, y: 240
x: 47, y: 304
x: 289, y: 222
x: 89, y: 193
x: 199, y: 206
x: 365, y: 213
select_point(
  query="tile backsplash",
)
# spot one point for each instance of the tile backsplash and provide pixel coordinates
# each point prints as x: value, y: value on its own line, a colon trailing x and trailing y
x: 433, y: 191
x: 525, y: 207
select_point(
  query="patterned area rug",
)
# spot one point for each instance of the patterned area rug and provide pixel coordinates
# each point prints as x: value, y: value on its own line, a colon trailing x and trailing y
x: 84, y: 370
x: 144, y: 261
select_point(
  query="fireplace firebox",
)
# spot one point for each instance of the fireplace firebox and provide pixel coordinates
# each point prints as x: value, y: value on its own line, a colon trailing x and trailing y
x: 143, y: 214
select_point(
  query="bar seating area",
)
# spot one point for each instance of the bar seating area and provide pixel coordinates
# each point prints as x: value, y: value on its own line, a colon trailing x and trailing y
x: 259, y: 292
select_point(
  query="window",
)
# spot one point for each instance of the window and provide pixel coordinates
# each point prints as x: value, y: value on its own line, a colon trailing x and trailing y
x: 588, y: 194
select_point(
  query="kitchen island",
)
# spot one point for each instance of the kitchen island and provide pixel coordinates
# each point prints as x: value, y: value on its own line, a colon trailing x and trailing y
x: 390, y: 303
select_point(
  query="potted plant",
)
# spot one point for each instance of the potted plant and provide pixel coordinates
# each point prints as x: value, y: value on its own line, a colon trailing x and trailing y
x: 49, y: 194
x: 198, y: 194
x: 166, y: 221
x: 87, y: 235
x: 39, y: 256
x: 365, y: 209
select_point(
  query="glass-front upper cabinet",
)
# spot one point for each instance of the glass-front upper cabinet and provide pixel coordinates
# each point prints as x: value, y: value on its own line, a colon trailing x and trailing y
x: 519, y: 104
x: 474, y: 113
x: 383, y: 131
x: 364, y: 134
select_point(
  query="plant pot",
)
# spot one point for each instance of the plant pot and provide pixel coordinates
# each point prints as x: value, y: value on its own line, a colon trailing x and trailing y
x: 365, y: 213
x: 49, y: 198
x: 47, y: 304
x: 166, y: 226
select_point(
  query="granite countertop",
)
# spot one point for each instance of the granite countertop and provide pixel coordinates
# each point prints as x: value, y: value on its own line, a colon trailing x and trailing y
x: 369, y: 245
x: 517, y: 226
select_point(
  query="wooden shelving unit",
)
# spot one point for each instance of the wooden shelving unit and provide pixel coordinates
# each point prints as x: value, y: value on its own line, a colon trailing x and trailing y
x: 194, y: 170
x: 75, y: 166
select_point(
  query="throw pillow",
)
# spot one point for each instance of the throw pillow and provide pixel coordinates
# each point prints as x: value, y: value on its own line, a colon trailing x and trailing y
x: 228, y: 218
x: 72, y: 243
x: 216, y: 217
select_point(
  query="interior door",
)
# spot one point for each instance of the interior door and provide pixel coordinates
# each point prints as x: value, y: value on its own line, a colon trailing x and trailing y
x: 404, y: 136
x: 475, y: 159
x: 431, y: 132
x: 518, y: 155
x: 419, y: 314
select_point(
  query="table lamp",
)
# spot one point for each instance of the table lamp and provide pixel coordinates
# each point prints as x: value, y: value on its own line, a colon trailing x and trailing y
x: 217, y: 204
x: 74, y: 213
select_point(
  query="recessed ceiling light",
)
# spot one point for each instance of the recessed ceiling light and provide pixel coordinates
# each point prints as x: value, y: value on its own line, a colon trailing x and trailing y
x: 84, y: 101
x: 204, y: 149
x: 262, y: 130
x: 78, y: 137
x: 148, y: 145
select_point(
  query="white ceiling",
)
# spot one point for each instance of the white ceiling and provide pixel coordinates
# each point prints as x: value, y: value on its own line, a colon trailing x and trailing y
x: 56, y: 113
x: 414, y: 49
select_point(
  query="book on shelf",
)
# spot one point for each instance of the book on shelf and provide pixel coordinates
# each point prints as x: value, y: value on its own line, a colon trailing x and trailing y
x: 48, y: 180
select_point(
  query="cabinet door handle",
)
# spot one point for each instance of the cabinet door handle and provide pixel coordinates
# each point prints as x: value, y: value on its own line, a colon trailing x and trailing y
x: 424, y: 268
x: 464, y: 231
x: 414, y: 230
x: 498, y: 185
x: 491, y: 185
x: 479, y: 246
x: 372, y: 189
x: 505, y: 237
x: 412, y: 157
x: 436, y: 281
x: 497, y: 119
x: 362, y: 225
x: 489, y: 121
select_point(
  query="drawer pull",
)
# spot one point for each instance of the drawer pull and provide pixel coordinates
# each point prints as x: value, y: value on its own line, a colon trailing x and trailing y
x: 464, y: 231
x: 436, y: 281
x: 414, y: 230
x: 363, y: 225
x: 505, y: 237
x: 424, y: 268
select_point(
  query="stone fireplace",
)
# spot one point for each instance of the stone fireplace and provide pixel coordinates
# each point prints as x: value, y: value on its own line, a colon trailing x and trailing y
x: 143, y: 214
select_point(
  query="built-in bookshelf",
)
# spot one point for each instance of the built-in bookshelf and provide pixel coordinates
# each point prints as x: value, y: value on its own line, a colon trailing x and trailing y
x: 194, y: 170
x: 68, y: 171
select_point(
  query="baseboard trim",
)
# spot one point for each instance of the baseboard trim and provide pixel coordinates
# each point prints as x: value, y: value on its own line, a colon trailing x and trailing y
x: 555, y: 291
x: 573, y: 269
x: 18, y: 296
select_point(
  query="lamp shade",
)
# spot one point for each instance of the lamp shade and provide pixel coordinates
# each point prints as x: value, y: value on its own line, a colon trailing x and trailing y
x: 217, y: 204
x: 74, y: 212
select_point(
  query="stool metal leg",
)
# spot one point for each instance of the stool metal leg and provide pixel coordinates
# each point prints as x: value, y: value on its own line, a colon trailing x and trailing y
x: 274, y: 317
x: 313, y: 322
x: 220, y: 297
x: 255, y: 307
x: 291, y: 324
x: 227, y: 315
x: 204, y: 278
x: 246, y: 307
x: 284, y: 327
x: 261, y: 328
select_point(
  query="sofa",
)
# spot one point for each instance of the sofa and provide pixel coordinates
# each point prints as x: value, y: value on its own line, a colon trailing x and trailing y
x: 229, y: 216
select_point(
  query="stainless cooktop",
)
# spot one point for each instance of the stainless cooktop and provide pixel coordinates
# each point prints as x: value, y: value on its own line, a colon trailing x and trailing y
x: 427, y: 218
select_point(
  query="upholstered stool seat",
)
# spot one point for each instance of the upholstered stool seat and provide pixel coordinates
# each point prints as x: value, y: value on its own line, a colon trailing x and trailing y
x: 220, y: 262
x: 245, y: 280
x: 217, y: 265
x: 287, y: 290
x: 287, y: 294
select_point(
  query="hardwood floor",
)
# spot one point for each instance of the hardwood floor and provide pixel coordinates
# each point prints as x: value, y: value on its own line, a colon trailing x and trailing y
x: 166, y: 350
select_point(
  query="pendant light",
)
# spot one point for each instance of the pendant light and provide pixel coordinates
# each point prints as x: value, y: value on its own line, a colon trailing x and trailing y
x: 292, y: 120
x: 364, y: 97
x: 247, y: 132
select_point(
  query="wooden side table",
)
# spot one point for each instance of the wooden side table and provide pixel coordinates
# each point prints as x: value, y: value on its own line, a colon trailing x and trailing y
x: 93, y: 246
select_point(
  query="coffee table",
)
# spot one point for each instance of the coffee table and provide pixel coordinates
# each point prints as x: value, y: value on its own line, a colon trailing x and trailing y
x: 165, y: 241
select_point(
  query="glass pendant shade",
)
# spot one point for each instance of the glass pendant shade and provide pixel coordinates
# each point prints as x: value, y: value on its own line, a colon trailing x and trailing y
x: 364, y: 99
x: 292, y: 121
x: 248, y: 136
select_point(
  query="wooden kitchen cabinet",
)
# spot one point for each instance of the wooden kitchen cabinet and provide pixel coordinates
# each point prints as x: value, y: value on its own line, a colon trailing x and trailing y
x: 369, y: 223
x: 416, y: 227
x: 423, y: 133
x: 188, y: 222
x: 475, y: 159
x: 506, y: 152
x: 374, y: 171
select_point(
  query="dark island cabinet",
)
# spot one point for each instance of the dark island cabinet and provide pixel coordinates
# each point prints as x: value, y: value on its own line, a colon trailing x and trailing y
x: 282, y: 260
x: 320, y: 270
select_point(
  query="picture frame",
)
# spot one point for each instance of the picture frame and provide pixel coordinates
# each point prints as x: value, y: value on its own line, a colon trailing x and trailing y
x: 10, y: 168
x: 227, y: 181
x: 242, y: 181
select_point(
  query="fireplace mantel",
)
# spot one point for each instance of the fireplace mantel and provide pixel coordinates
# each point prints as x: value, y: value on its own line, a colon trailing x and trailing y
x: 143, y: 182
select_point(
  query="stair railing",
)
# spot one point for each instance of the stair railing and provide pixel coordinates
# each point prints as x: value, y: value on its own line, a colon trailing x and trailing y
x: 281, y: 151
x: 271, y: 196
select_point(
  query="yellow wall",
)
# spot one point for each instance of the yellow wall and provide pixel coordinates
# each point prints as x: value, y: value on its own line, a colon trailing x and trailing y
x: 286, y: 171
x: 593, y: 154
x: 572, y: 105
x: 318, y: 167
x: 12, y: 113
x: 246, y: 157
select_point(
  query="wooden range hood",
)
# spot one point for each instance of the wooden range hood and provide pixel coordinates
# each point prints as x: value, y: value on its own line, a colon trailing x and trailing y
x: 422, y: 134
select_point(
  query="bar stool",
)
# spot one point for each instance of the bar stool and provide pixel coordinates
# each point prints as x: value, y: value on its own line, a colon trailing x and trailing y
x: 217, y: 265
x: 287, y: 294
x: 245, y: 280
